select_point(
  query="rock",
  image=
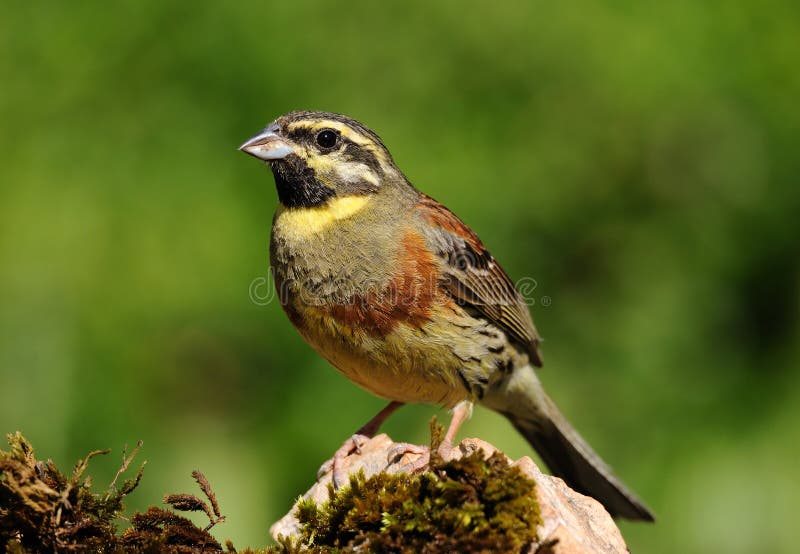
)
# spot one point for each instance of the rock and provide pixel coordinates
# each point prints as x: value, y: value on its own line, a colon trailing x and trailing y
x: 571, y: 522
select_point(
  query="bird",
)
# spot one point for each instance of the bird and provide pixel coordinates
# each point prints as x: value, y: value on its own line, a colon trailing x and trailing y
x: 403, y: 298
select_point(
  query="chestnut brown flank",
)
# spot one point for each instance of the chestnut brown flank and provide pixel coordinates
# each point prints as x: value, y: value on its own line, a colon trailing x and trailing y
x: 408, y: 298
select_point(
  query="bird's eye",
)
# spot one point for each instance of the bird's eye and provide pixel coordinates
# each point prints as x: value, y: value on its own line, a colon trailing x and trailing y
x: 327, y: 138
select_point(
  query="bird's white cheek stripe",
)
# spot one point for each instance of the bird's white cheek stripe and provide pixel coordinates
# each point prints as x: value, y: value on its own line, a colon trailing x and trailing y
x: 332, y: 170
x: 355, y: 172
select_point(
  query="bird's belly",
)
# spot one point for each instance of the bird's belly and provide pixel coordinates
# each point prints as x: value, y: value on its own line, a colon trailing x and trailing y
x: 402, y: 364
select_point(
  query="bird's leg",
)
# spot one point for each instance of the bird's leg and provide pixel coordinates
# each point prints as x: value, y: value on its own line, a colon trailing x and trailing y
x: 354, y: 443
x: 461, y: 413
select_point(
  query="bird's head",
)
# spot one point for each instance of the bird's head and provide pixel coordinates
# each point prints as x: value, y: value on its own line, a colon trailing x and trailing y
x: 317, y: 156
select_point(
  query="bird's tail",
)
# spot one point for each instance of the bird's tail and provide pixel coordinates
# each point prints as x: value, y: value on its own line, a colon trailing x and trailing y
x: 523, y: 401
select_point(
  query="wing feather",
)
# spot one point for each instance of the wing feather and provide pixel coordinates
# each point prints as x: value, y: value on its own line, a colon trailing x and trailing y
x: 475, y: 279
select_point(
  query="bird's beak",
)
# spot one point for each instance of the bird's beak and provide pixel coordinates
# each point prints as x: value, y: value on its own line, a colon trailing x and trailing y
x: 268, y: 145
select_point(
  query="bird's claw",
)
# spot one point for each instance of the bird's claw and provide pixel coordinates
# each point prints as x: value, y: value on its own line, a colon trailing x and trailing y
x: 334, y: 466
x: 445, y: 451
x: 400, y: 449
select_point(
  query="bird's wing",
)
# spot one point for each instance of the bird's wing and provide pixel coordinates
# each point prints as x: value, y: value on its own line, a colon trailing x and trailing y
x: 474, y: 278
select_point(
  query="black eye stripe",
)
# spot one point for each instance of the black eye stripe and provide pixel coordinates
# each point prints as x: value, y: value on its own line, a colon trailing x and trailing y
x: 308, y: 134
x: 356, y: 153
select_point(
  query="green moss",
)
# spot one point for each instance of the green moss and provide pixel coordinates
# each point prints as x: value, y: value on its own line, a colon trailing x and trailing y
x: 467, y: 505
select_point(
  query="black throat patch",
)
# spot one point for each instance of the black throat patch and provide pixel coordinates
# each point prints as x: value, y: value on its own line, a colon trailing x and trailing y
x: 297, y: 183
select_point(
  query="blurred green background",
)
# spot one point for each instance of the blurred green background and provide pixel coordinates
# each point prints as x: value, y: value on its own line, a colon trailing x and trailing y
x: 639, y: 160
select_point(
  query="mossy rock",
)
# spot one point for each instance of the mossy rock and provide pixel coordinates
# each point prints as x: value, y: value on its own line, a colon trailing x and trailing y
x: 471, y: 504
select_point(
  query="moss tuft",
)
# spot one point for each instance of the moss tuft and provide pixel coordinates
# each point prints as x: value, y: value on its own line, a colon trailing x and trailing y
x: 465, y: 505
x: 43, y: 510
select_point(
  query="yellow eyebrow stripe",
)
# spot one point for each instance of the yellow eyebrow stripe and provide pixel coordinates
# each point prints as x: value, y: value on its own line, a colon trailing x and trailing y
x: 304, y: 222
x: 344, y: 130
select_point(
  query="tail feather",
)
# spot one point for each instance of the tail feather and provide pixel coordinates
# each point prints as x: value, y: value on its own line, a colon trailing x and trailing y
x: 568, y: 456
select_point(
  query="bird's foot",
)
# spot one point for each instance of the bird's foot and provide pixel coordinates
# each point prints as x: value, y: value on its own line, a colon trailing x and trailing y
x: 445, y: 451
x: 335, y: 465
x: 400, y: 449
